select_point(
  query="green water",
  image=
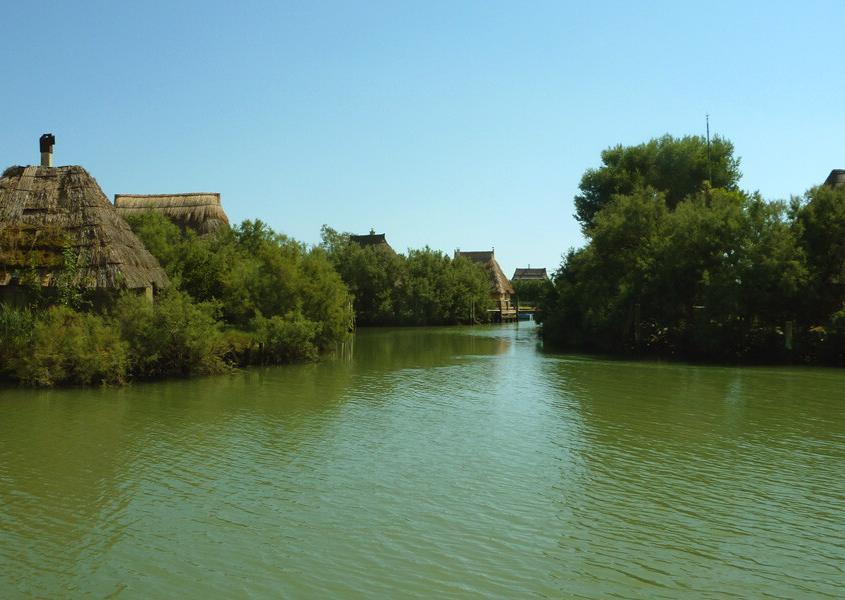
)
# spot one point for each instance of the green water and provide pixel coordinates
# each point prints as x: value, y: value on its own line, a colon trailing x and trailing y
x: 439, y: 463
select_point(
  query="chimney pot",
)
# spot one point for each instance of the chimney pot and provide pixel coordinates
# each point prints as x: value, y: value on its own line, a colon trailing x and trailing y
x: 46, y: 142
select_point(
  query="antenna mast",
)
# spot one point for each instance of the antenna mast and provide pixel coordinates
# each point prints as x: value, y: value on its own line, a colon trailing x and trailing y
x: 709, y: 167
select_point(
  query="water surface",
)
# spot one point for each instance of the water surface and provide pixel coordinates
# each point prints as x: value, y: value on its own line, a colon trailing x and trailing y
x: 448, y: 463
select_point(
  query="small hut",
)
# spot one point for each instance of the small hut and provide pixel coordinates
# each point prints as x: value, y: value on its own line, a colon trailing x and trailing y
x: 529, y: 274
x: 836, y: 178
x: 501, y: 290
x: 56, y: 221
x: 373, y: 239
x: 199, y: 211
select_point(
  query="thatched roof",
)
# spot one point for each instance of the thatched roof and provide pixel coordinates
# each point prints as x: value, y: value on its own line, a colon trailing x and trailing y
x: 498, y: 281
x: 49, y: 214
x: 379, y: 240
x: 530, y: 274
x: 836, y: 178
x: 200, y: 211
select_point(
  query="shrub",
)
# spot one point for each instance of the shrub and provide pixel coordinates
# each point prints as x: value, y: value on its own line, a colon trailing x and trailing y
x: 67, y: 347
x: 288, y: 339
x: 16, y: 325
x: 174, y: 336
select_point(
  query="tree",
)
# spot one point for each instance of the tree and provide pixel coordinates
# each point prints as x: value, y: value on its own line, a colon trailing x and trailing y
x: 820, y: 221
x: 677, y: 167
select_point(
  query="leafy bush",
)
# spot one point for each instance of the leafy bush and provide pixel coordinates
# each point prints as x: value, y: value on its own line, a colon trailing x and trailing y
x: 288, y: 339
x: 173, y: 336
x: 68, y: 347
x: 16, y: 326
x: 251, y: 270
x: 426, y: 287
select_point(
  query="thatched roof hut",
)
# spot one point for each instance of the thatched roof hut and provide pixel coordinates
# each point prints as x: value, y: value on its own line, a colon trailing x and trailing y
x: 377, y: 240
x: 500, y: 285
x: 200, y: 211
x: 836, y: 178
x: 57, y: 220
x: 529, y: 274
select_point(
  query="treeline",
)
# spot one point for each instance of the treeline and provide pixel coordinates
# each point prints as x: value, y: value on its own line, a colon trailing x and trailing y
x: 680, y: 262
x: 241, y: 296
x: 426, y: 287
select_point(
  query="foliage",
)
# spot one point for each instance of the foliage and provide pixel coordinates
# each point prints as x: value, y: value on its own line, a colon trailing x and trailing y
x: 72, y: 291
x: 287, y: 339
x: 173, y: 336
x: 252, y: 271
x: 426, y: 287
x: 678, y: 167
x: 717, y: 274
x: 69, y: 347
x: 531, y: 291
x: 16, y: 325
x: 820, y: 219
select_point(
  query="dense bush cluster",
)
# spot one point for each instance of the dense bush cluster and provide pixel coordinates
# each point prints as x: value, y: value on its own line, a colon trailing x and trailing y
x: 426, y: 287
x: 239, y: 296
x: 245, y: 295
x: 714, y: 273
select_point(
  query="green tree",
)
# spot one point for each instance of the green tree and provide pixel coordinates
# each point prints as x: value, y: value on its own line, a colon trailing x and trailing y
x: 820, y: 224
x: 677, y: 167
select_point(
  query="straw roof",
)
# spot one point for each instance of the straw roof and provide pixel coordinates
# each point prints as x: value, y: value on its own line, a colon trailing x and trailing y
x: 379, y: 240
x: 47, y: 212
x: 499, y: 283
x: 530, y: 274
x: 836, y: 178
x: 200, y: 211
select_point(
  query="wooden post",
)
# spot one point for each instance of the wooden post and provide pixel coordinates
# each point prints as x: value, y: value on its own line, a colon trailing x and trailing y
x: 787, y: 334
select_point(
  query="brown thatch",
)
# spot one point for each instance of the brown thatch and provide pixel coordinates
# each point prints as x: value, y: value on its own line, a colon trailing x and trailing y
x: 499, y: 282
x: 529, y: 274
x: 49, y: 216
x: 836, y: 178
x: 200, y: 211
x: 378, y: 240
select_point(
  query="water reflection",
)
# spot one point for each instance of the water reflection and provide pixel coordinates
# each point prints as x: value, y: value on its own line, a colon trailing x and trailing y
x: 436, y: 462
x: 701, y: 466
x: 421, y: 348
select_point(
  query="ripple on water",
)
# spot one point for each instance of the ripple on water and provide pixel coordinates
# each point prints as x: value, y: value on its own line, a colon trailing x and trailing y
x: 447, y: 463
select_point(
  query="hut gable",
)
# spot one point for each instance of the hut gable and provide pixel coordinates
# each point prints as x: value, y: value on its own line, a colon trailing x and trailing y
x: 530, y: 274
x: 498, y: 280
x: 48, y: 214
x: 836, y: 178
x: 200, y: 211
x: 378, y: 240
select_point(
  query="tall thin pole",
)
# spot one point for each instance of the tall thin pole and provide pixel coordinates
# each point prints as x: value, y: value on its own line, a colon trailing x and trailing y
x: 709, y: 167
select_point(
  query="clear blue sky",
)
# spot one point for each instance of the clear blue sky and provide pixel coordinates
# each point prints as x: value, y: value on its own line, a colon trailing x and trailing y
x: 452, y: 124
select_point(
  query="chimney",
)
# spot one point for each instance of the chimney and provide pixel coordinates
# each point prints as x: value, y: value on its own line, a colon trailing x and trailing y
x: 46, y: 142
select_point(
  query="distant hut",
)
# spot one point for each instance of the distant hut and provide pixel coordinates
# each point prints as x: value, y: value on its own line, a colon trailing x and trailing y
x: 501, y: 290
x: 200, y: 211
x: 56, y: 221
x: 836, y: 178
x: 373, y: 239
x: 529, y: 274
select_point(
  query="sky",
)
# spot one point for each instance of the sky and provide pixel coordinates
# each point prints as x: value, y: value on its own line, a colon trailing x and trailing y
x: 449, y: 124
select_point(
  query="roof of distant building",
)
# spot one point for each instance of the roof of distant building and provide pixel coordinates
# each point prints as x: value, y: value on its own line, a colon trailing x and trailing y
x: 201, y: 211
x: 378, y: 240
x: 487, y: 258
x: 529, y: 274
x: 836, y: 178
x: 47, y: 211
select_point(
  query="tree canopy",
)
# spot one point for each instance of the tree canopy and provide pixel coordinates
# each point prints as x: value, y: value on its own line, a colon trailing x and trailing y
x: 676, y: 167
x: 676, y: 266
x: 426, y: 287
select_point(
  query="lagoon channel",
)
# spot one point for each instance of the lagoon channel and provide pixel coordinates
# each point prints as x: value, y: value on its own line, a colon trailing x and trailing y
x: 436, y: 463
